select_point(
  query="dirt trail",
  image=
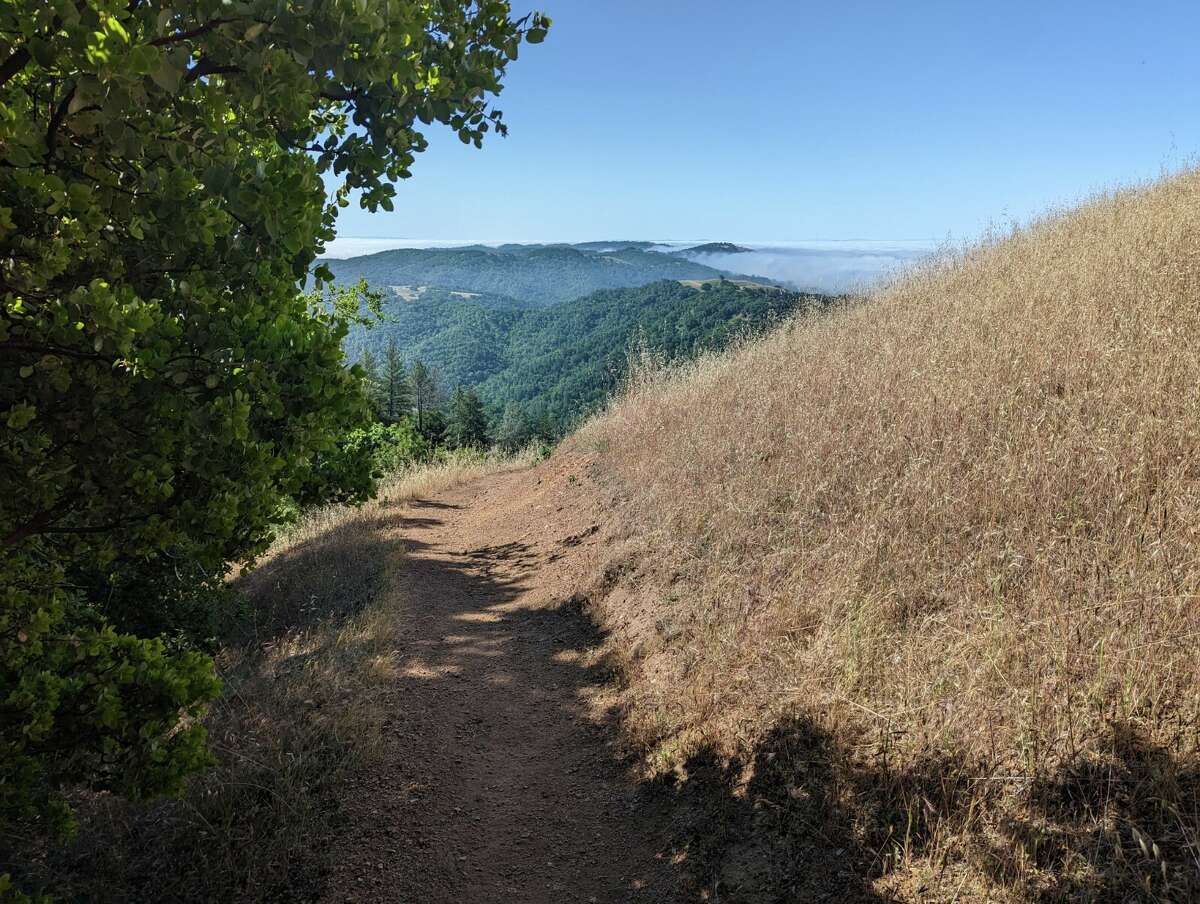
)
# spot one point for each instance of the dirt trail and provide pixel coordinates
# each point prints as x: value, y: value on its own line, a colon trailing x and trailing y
x: 502, y: 784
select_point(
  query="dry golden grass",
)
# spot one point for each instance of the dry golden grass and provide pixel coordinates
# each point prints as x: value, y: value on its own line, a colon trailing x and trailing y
x: 304, y: 709
x: 951, y: 536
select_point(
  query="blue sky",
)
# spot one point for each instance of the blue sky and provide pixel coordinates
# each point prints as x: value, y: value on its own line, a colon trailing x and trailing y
x: 768, y: 120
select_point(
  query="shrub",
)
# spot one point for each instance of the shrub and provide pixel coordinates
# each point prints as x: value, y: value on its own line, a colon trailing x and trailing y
x: 166, y: 388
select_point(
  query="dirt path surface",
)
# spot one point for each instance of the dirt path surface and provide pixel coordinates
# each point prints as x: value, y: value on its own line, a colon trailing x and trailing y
x: 502, y: 783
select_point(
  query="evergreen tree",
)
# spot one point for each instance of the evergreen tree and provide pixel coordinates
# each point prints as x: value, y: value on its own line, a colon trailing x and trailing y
x: 542, y: 425
x: 467, y: 423
x: 424, y: 385
x: 395, y: 401
x: 433, y: 427
x: 371, y: 380
x: 512, y: 433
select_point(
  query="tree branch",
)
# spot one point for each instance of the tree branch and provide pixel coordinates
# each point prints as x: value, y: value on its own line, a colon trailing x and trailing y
x: 207, y: 67
x: 14, y: 64
x: 95, y: 528
x: 37, y: 524
x: 41, y: 349
x: 188, y: 35
x: 60, y: 113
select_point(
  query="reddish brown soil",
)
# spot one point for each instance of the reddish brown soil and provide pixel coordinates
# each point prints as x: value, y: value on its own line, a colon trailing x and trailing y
x: 503, y: 782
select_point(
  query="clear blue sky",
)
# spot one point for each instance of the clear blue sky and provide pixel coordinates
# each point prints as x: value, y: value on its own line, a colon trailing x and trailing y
x: 777, y: 119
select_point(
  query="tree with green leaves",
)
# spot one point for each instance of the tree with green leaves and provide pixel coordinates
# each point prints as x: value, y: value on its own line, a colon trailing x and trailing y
x: 165, y: 388
x: 371, y: 380
x: 466, y: 422
x: 424, y: 385
x: 513, y: 432
x: 542, y: 425
x: 395, y: 400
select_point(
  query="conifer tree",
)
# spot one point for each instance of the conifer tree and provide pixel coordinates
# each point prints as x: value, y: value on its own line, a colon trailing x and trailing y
x: 513, y: 430
x: 395, y: 400
x: 371, y: 380
x: 467, y: 423
x: 424, y: 385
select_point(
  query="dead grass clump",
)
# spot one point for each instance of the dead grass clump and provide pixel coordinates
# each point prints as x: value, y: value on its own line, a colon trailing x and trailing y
x: 305, y: 707
x: 957, y: 524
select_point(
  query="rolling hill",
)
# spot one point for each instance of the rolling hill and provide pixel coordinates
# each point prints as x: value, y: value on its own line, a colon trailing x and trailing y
x: 565, y: 359
x: 912, y: 588
x: 529, y: 274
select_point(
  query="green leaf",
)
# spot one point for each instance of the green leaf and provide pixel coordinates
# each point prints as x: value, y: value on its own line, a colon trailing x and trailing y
x: 20, y: 416
x: 167, y: 76
x: 175, y: 227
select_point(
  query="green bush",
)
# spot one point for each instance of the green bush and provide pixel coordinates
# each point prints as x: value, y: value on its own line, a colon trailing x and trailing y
x: 85, y: 704
x: 167, y: 392
x: 388, y: 447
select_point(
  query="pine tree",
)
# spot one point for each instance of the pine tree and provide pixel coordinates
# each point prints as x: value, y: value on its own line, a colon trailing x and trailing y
x: 467, y: 423
x: 423, y: 383
x: 395, y: 399
x: 371, y: 381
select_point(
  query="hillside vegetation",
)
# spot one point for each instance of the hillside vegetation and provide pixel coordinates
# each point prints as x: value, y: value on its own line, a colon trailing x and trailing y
x: 566, y: 359
x: 533, y: 274
x: 919, y: 579
x: 302, y: 718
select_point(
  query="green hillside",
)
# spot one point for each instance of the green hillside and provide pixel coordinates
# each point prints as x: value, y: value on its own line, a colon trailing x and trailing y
x: 565, y: 359
x: 534, y: 274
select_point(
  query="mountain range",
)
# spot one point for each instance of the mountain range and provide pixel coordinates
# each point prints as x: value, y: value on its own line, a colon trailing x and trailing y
x: 529, y: 275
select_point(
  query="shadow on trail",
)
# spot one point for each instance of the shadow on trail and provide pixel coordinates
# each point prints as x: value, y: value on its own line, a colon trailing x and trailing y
x: 500, y: 773
x: 501, y: 784
x: 798, y: 830
x: 256, y: 826
x: 818, y: 819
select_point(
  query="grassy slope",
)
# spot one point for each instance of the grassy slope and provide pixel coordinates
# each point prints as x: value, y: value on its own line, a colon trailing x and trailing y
x: 921, y: 577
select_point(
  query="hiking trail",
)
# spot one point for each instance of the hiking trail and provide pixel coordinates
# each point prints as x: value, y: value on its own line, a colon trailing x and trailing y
x: 502, y: 781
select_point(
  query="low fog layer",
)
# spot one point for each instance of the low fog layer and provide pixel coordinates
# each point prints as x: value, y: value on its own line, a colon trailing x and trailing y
x: 821, y: 266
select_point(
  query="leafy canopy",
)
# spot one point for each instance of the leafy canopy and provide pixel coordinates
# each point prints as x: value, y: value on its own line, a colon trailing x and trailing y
x: 164, y: 386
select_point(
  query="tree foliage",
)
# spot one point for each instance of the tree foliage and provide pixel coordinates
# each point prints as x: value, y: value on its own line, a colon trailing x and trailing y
x: 371, y: 379
x: 393, y: 398
x: 513, y: 430
x: 389, y: 447
x: 164, y: 386
x: 424, y: 385
x: 466, y: 421
x: 563, y: 360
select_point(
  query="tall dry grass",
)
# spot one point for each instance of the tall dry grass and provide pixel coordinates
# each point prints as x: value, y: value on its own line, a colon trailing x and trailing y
x: 954, y: 530
x: 306, y: 704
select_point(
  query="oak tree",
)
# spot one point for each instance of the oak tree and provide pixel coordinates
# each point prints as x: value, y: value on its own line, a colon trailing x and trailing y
x: 164, y: 384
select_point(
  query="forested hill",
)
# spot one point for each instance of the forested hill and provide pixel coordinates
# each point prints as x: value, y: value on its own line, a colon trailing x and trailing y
x: 563, y: 360
x: 532, y: 274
